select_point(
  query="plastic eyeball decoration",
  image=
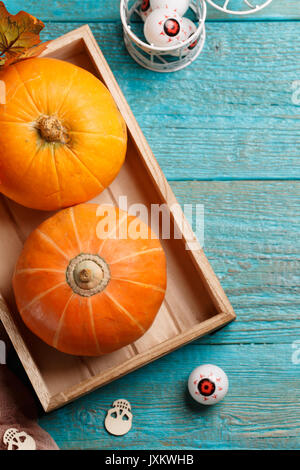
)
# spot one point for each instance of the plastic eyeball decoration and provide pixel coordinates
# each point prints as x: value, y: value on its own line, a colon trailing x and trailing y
x: 164, y: 28
x: 188, y: 28
x: 208, y: 384
x: 179, y: 6
x: 145, y: 9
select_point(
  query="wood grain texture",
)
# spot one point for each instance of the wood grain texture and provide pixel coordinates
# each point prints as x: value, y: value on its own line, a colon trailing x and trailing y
x: 260, y: 411
x: 108, y: 10
x: 228, y: 115
x: 252, y: 241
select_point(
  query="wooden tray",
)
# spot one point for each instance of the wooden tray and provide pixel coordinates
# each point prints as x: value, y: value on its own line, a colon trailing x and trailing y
x: 195, y: 303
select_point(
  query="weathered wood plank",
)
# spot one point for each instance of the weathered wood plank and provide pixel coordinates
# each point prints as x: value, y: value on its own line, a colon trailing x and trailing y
x: 259, y: 412
x: 103, y: 10
x: 228, y: 115
x: 252, y: 241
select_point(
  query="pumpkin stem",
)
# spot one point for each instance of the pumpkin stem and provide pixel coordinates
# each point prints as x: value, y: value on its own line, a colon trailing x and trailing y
x: 88, y: 274
x: 52, y: 130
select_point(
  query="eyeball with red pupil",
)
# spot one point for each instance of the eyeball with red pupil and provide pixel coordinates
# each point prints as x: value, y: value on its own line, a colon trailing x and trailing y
x: 163, y: 28
x: 145, y: 5
x: 188, y: 29
x: 179, y: 6
x: 145, y: 9
x: 171, y: 27
x: 208, y: 384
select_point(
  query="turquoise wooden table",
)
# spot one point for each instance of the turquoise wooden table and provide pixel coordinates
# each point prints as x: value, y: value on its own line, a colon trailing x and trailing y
x: 226, y: 132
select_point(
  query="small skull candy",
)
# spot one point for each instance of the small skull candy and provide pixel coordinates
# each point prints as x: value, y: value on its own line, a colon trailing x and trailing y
x: 208, y: 384
x: 118, y: 420
x: 18, y: 440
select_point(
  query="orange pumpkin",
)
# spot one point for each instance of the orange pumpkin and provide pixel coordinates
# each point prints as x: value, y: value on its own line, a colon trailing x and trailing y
x: 62, y: 137
x: 90, y: 280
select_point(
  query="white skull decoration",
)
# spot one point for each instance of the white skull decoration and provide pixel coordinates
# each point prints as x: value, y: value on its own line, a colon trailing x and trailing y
x: 118, y: 420
x: 18, y: 440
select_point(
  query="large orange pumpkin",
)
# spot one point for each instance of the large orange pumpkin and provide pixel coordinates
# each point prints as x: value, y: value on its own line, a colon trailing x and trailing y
x: 62, y: 137
x: 88, y: 286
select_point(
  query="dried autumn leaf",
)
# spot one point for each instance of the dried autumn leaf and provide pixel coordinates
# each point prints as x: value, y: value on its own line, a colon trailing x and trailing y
x: 19, y: 36
x: 32, y: 52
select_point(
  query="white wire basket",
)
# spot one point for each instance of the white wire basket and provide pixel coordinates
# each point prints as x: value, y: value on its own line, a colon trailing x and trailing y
x: 163, y: 59
x: 239, y: 7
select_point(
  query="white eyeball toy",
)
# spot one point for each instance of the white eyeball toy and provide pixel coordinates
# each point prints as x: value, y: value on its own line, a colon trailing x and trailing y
x: 188, y: 28
x: 208, y: 384
x: 164, y: 28
x: 180, y: 6
x: 145, y: 9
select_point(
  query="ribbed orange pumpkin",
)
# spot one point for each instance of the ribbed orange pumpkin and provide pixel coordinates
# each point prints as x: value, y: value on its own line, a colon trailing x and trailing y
x: 62, y: 137
x: 88, y: 290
